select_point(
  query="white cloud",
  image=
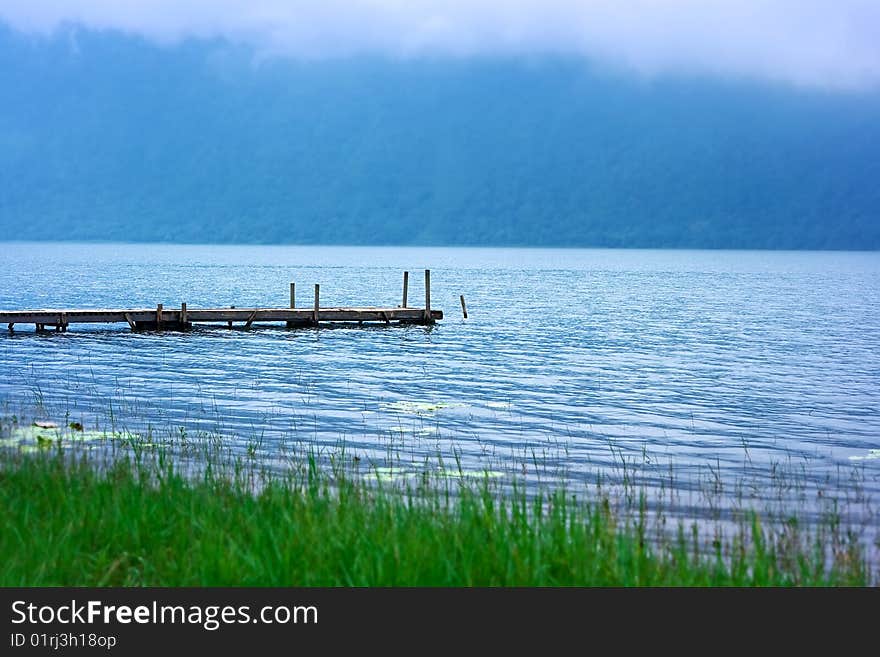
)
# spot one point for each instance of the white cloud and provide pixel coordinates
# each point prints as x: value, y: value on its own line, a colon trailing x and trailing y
x: 825, y: 43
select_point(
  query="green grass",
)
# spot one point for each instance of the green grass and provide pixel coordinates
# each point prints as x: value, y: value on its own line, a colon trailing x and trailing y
x: 66, y: 519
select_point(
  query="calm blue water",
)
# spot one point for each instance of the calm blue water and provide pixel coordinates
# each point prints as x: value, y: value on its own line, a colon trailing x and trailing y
x: 571, y: 360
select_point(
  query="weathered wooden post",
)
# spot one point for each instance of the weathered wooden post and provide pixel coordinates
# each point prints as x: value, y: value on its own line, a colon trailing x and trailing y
x: 158, y: 316
x: 229, y: 323
x: 405, y: 287
x: 317, y: 301
x: 463, y: 307
x: 290, y: 324
x: 183, y: 316
x: 428, y: 296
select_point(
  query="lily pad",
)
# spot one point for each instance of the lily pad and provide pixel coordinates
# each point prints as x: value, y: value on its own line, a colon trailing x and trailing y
x: 34, y: 434
x: 386, y: 475
x: 417, y: 408
x: 477, y: 474
x: 86, y: 436
x: 44, y: 437
x: 401, y: 429
x: 871, y: 455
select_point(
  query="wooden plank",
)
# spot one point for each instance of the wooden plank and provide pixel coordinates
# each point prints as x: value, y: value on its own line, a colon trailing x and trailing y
x: 204, y: 314
x: 105, y: 316
x: 75, y: 316
x: 463, y: 306
x: 136, y: 318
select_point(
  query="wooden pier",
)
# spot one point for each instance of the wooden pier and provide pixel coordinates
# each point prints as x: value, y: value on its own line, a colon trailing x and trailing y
x: 182, y: 318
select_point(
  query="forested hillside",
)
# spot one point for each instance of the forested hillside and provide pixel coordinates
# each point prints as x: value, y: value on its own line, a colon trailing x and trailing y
x: 107, y: 137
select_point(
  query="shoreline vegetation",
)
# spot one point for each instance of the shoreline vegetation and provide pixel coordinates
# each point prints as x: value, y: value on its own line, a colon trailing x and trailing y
x: 83, y: 507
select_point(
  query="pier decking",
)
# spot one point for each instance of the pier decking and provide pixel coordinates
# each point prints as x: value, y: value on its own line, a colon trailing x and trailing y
x: 182, y: 318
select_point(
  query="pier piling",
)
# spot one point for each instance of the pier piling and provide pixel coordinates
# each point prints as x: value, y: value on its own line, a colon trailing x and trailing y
x: 317, y: 304
x: 405, y: 287
x: 428, y: 319
x: 292, y: 302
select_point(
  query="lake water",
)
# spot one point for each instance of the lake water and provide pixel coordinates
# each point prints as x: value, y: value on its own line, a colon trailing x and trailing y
x: 571, y: 362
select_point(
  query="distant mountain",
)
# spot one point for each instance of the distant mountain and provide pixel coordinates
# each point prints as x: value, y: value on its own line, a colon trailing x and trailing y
x: 106, y: 137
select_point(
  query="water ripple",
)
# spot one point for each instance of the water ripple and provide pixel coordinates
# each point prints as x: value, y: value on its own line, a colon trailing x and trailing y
x: 578, y: 356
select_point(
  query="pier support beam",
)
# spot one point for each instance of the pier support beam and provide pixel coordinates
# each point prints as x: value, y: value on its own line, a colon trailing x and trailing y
x: 292, y: 302
x: 405, y: 287
x: 317, y: 304
x: 428, y: 318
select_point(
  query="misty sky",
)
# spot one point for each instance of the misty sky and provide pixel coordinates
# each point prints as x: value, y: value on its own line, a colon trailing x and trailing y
x: 831, y: 44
